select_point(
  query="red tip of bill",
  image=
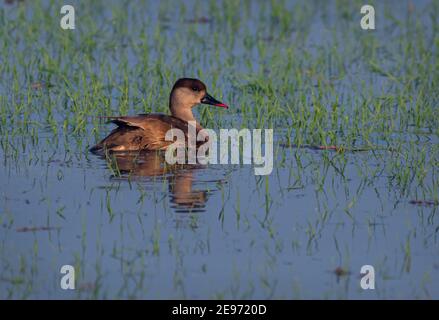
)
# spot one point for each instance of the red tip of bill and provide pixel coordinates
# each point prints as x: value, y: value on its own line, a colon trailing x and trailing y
x: 222, y: 105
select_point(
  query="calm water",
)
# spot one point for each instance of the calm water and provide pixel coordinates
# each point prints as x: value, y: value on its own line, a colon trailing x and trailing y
x: 154, y: 231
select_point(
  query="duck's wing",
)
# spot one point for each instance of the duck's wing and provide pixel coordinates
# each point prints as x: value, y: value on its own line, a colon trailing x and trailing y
x: 142, y: 132
x: 146, y: 121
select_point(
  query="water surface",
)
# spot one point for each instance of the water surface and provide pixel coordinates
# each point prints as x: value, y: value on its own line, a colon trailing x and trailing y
x: 135, y: 227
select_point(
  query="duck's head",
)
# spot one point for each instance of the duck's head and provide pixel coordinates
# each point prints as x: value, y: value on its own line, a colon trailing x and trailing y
x: 187, y: 93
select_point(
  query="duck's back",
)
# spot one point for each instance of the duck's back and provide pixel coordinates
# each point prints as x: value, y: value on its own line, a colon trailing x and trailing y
x: 142, y: 132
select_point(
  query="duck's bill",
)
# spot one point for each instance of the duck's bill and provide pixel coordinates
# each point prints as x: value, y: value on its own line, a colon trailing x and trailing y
x: 208, y: 99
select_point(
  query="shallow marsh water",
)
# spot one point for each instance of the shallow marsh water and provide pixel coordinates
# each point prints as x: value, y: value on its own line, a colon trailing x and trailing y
x: 145, y: 230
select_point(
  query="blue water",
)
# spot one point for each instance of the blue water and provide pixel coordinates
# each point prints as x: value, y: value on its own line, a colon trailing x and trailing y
x: 213, y: 231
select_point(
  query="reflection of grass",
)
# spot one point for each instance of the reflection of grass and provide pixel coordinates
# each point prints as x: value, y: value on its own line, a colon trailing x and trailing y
x: 346, y: 104
x: 407, y: 255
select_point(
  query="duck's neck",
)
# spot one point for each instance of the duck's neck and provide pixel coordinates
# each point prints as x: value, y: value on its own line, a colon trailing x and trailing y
x: 182, y: 112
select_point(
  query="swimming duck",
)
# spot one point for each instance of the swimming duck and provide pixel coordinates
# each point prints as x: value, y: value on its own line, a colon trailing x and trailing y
x: 147, y: 131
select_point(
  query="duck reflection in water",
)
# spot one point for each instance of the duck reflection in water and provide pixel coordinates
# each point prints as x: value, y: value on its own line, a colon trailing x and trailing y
x: 151, y: 166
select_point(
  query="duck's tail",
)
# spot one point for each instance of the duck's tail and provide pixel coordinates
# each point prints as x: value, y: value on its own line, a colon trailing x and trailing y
x: 97, y: 148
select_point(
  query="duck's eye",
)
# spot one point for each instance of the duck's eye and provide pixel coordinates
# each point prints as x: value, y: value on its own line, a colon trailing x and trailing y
x: 195, y: 89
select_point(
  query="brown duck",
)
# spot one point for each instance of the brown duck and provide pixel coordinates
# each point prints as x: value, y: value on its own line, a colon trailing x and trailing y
x: 147, y: 131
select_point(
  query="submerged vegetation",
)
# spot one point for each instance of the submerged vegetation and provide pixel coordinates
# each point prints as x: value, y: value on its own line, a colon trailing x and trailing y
x: 355, y: 180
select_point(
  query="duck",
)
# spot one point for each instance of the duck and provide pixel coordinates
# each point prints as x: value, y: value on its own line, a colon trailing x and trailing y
x: 146, y: 132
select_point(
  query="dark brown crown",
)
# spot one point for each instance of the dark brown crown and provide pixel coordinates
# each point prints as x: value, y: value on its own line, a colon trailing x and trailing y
x: 193, y: 84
